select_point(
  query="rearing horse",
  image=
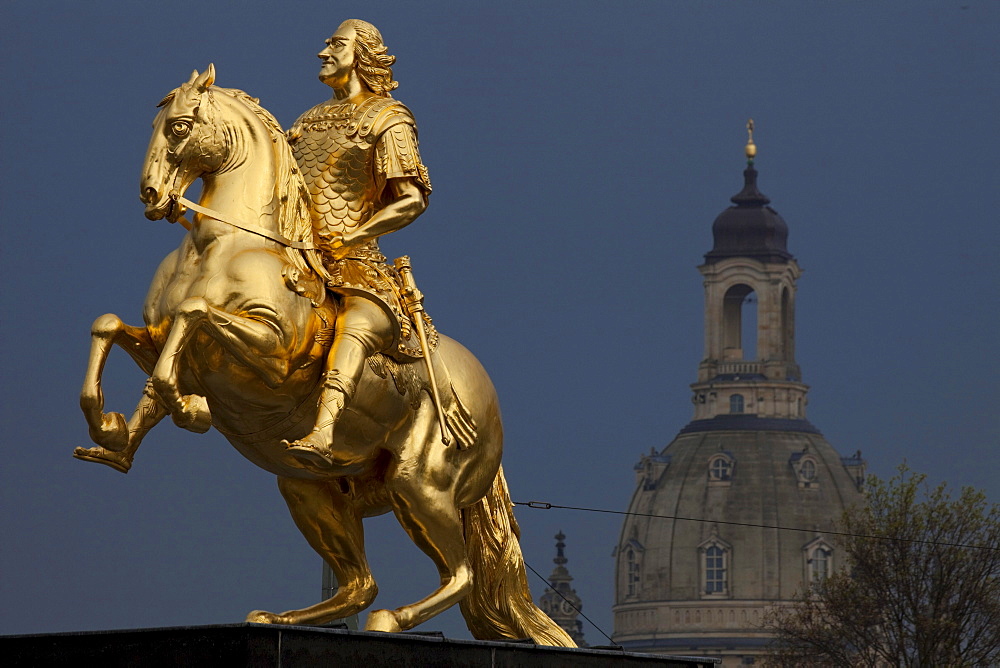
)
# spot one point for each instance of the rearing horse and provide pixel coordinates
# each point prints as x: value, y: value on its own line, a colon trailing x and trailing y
x: 234, y: 338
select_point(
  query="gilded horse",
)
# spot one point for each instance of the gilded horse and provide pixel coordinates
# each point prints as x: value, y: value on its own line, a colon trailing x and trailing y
x: 233, y: 339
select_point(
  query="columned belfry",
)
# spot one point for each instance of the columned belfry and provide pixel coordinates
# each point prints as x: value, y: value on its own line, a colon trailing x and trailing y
x: 749, y: 367
x: 735, y: 515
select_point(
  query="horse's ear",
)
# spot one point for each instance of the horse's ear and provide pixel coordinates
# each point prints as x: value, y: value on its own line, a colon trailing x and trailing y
x: 194, y: 76
x: 206, y: 78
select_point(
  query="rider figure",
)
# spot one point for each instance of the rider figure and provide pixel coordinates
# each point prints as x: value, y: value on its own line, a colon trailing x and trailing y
x: 358, y: 156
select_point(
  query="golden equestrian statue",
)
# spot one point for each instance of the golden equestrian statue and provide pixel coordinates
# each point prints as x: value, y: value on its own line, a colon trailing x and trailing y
x: 279, y: 322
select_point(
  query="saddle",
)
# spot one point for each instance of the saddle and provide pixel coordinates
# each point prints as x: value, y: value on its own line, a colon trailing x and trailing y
x: 403, y: 363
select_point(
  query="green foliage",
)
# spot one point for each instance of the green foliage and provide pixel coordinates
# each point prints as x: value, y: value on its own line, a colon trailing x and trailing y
x: 920, y: 587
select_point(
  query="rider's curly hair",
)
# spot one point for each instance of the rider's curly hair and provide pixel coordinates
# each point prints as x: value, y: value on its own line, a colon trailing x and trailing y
x: 373, y: 60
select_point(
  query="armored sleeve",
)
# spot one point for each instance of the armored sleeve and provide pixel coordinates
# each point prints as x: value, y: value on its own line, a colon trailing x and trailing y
x: 397, y: 156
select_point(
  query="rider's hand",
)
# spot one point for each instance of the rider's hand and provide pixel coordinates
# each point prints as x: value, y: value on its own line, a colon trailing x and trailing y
x: 340, y: 246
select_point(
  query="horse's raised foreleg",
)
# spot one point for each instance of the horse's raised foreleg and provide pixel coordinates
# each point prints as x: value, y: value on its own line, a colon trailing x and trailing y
x: 147, y: 414
x: 328, y: 519
x: 253, y: 341
x: 109, y: 430
x: 424, y: 502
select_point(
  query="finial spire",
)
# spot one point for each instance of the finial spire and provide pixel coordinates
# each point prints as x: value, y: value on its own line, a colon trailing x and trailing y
x: 750, y: 196
x: 751, y: 148
x: 560, y: 600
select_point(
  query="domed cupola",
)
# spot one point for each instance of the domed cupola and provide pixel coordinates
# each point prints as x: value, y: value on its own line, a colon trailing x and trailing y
x: 750, y: 228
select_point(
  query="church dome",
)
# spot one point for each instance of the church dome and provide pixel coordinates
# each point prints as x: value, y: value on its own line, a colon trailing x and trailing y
x: 750, y: 228
x: 689, y: 586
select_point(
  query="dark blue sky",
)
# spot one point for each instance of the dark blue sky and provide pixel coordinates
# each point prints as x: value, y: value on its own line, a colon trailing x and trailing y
x: 579, y: 154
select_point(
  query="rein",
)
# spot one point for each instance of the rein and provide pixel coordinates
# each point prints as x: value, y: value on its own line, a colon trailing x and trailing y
x: 247, y: 227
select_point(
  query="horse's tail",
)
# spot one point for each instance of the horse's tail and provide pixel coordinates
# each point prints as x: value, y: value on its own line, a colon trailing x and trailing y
x: 499, y: 605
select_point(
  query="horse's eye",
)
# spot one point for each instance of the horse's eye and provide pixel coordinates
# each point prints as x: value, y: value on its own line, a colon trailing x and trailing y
x: 180, y: 128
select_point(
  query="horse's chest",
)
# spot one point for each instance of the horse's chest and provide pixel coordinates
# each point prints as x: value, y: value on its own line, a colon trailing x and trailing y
x: 198, y: 268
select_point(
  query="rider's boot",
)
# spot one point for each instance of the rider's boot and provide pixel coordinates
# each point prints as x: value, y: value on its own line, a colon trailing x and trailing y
x: 317, y: 448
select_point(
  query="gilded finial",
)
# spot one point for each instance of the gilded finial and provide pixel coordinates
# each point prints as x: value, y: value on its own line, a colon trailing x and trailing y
x: 751, y: 148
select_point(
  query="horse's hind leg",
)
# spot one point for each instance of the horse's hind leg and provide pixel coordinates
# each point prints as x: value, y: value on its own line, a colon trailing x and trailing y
x: 428, y: 514
x: 331, y: 523
x: 434, y: 524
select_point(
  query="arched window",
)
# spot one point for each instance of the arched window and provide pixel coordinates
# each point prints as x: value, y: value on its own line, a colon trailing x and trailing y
x: 787, y: 327
x: 818, y: 560
x: 720, y: 469
x: 820, y: 564
x: 736, y: 403
x: 806, y: 468
x: 749, y: 333
x: 739, y: 322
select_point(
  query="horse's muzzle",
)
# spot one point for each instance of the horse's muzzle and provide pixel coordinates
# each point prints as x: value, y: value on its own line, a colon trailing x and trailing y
x: 157, y: 206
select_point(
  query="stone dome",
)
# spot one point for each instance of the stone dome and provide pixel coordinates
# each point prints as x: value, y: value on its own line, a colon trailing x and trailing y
x: 697, y: 586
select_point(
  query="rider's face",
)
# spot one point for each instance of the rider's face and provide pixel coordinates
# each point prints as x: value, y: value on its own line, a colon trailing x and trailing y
x: 338, y: 57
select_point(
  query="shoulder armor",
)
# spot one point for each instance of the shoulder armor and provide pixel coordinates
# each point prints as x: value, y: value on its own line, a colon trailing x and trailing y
x: 311, y: 111
x: 377, y: 115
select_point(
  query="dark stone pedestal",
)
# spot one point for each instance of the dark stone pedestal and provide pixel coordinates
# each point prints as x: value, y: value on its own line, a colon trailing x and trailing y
x: 266, y: 646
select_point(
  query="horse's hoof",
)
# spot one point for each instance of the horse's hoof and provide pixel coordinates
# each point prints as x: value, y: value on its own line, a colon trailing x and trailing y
x: 194, y: 414
x: 115, y: 460
x: 384, y: 621
x: 263, y: 617
x: 309, y: 455
x: 112, y: 434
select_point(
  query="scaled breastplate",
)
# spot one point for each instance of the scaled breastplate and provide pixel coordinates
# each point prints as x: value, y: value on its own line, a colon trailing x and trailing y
x: 334, y: 146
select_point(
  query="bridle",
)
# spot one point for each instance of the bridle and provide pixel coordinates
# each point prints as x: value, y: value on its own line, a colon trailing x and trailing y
x: 247, y: 227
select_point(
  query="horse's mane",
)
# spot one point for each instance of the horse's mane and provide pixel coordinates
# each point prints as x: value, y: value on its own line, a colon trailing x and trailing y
x: 294, y: 221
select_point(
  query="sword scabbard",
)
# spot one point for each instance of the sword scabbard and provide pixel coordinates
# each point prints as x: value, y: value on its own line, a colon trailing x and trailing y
x: 413, y: 303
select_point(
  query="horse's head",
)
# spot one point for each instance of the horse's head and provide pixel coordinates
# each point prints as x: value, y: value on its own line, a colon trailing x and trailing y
x: 186, y: 144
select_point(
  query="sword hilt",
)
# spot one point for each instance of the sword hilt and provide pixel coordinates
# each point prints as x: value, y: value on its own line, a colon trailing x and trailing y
x: 412, y: 298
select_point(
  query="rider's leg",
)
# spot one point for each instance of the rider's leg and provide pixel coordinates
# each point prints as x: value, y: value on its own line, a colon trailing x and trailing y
x: 362, y: 330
